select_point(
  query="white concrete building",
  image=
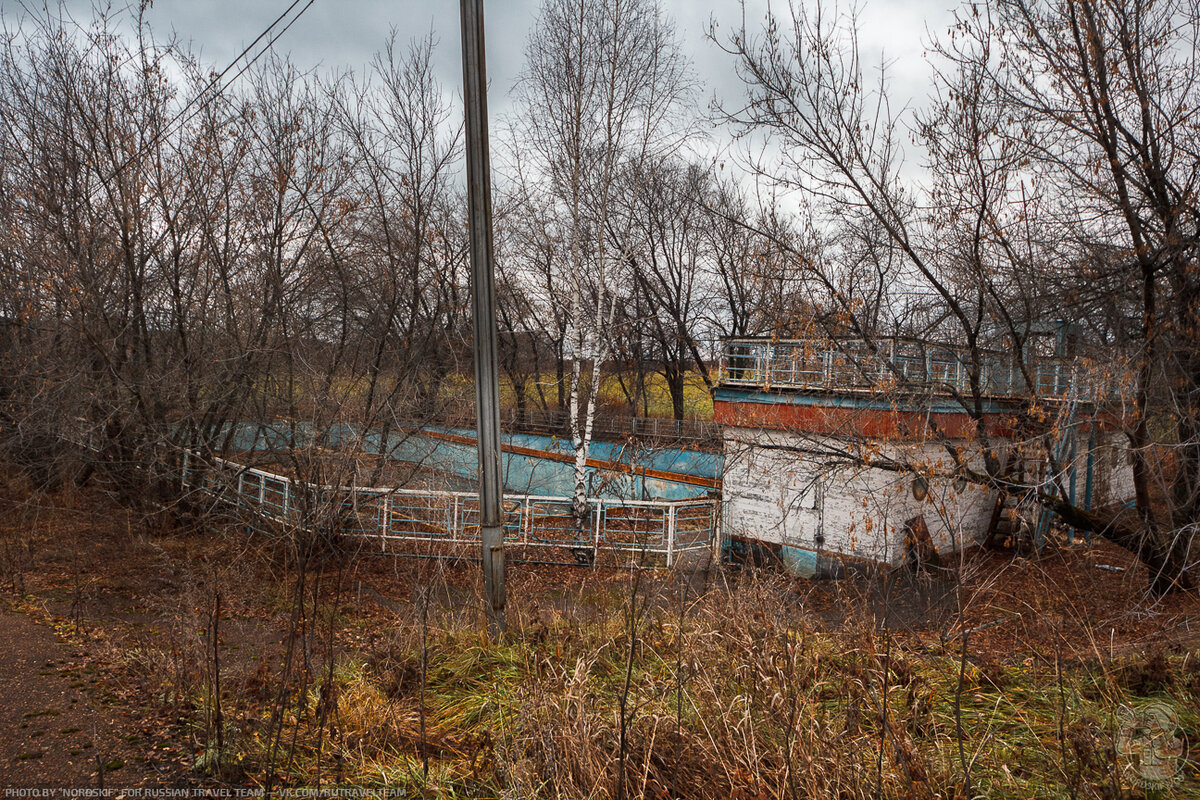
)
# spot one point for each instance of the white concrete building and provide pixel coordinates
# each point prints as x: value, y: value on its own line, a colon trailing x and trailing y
x: 789, y: 408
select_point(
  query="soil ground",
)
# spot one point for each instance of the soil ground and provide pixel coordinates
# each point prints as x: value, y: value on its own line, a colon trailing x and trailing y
x: 55, y: 729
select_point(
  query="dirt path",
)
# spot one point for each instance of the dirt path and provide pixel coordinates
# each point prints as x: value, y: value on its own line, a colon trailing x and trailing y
x: 53, y: 734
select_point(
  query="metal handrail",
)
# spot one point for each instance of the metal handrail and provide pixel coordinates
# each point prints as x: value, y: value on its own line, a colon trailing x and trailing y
x: 393, y: 516
x: 856, y: 365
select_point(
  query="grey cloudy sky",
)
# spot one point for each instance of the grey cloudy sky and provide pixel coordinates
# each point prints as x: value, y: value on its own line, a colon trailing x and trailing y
x: 340, y: 34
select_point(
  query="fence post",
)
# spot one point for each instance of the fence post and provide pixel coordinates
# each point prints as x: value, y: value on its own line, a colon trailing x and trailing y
x: 716, y: 529
x: 670, y: 536
x: 385, y: 518
x: 596, y: 537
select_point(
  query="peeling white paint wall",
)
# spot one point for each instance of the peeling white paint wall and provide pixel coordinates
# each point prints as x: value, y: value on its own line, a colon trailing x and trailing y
x: 781, y: 497
x: 775, y: 494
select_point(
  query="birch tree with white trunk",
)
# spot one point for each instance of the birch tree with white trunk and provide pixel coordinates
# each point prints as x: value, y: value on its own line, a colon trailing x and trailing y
x: 605, y: 88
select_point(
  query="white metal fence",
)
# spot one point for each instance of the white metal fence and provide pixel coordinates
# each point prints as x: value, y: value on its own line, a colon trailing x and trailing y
x: 848, y: 365
x: 404, y: 521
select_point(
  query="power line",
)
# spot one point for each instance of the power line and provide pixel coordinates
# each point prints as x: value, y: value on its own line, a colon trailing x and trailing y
x: 217, y: 78
x: 171, y: 127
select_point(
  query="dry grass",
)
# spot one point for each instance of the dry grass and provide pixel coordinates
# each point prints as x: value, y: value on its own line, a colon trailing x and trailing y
x: 609, y: 684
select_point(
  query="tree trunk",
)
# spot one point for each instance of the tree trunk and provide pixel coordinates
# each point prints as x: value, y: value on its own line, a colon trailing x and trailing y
x: 675, y: 385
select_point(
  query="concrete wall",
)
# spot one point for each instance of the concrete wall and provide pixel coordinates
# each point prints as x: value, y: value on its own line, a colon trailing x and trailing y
x: 1111, y: 467
x: 775, y: 494
x: 1111, y: 470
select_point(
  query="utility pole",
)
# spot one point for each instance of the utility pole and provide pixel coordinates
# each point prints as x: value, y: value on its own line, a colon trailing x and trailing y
x: 483, y: 301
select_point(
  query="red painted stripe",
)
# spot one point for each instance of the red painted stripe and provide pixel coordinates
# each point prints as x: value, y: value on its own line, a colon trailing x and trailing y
x: 875, y: 423
x: 612, y: 466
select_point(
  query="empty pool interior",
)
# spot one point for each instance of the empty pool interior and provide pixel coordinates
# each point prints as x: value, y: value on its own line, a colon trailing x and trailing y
x: 632, y: 517
x: 531, y: 464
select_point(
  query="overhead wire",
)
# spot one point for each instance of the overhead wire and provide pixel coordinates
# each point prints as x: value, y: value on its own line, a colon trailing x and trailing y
x: 179, y: 117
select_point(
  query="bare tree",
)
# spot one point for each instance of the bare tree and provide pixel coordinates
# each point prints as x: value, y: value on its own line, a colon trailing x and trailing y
x: 1103, y: 101
x: 532, y: 305
x: 604, y: 89
x: 178, y: 268
x: 666, y: 260
x: 1049, y: 154
x: 749, y: 252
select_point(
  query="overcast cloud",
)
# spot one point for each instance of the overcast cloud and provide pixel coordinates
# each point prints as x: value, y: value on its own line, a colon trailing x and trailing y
x: 343, y: 35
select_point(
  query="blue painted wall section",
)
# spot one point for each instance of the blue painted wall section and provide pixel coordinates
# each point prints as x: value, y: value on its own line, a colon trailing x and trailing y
x: 523, y: 474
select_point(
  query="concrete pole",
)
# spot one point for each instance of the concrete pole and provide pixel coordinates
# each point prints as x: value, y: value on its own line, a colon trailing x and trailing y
x: 483, y: 297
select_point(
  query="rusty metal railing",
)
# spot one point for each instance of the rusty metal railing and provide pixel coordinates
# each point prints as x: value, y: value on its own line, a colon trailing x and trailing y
x: 857, y: 366
x: 397, y: 519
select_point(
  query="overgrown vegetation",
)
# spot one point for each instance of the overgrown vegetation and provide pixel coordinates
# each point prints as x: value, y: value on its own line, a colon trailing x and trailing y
x: 179, y: 256
x: 374, y: 672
